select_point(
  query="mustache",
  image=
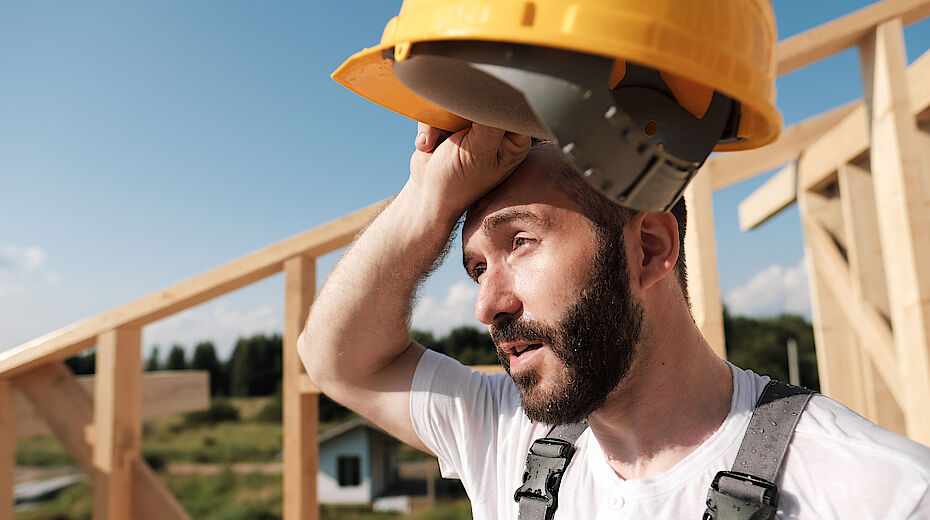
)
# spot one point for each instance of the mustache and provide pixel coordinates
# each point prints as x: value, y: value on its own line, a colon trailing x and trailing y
x: 513, y: 329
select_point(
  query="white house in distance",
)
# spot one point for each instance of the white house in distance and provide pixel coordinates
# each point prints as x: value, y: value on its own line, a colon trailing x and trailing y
x: 358, y: 462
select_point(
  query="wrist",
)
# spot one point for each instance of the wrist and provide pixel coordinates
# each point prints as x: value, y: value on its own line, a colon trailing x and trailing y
x: 428, y: 207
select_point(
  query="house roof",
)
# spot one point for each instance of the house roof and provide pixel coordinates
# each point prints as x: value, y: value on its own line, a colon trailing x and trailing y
x: 347, y: 426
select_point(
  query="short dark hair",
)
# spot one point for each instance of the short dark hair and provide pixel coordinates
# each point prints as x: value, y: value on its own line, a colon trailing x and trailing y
x: 608, y: 216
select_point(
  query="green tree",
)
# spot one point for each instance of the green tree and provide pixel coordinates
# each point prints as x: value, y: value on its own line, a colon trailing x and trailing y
x: 177, y: 359
x: 467, y: 344
x: 83, y: 364
x: 205, y: 359
x: 255, y: 366
x: 153, y: 363
x: 760, y: 344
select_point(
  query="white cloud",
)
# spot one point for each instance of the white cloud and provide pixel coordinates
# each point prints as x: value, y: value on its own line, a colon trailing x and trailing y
x: 456, y: 309
x: 21, y: 258
x: 772, y: 291
x: 21, y: 269
x: 217, y: 322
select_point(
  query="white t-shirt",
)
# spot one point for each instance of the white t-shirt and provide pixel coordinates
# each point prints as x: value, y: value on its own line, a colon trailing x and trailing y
x: 838, y: 465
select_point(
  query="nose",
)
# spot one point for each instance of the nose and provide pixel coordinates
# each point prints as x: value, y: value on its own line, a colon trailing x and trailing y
x: 496, y: 297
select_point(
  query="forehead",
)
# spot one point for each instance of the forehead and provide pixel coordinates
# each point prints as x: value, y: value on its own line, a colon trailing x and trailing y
x: 534, y: 184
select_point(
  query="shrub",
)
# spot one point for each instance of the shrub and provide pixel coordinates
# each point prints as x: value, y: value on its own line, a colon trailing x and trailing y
x: 155, y: 460
x: 219, y: 411
x: 271, y: 411
x: 252, y: 512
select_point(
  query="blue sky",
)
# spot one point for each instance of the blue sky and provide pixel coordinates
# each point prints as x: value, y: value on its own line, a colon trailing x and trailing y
x: 143, y: 143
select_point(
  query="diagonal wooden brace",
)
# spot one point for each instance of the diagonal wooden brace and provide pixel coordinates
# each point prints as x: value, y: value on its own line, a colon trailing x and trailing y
x: 69, y: 411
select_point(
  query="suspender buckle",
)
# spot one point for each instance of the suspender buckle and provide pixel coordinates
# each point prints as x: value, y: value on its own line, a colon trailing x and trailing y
x: 741, y: 496
x: 545, y: 464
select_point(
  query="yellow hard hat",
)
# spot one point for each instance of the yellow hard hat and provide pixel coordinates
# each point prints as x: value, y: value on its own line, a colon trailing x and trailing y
x: 448, y: 62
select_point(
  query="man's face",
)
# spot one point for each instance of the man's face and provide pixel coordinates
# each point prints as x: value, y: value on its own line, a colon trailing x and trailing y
x: 554, y: 293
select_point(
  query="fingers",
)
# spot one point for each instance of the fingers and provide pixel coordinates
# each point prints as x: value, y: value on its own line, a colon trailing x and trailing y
x: 429, y: 137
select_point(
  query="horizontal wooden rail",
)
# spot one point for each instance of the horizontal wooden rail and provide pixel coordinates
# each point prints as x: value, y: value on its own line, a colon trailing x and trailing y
x: 847, y: 139
x: 804, y: 49
x: 842, y: 33
x: 68, y: 341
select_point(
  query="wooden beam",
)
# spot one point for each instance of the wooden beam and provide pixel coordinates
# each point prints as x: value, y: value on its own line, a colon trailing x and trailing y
x: 867, y: 275
x: 844, y: 32
x: 164, y: 392
x: 301, y: 410
x: 829, y: 212
x: 151, y: 500
x: 884, y: 409
x: 7, y: 450
x: 66, y: 342
x: 918, y: 84
x: 832, y: 274
x: 837, y: 365
x: 827, y: 140
x: 306, y: 386
x: 68, y: 409
x: 863, y: 247
x: 117, y: 420
x: 899, y: 172
x: 733, y: 167
x: 701, y: 257
x: 851, y: 137
x: 839, y: 145
x: 768, y: 200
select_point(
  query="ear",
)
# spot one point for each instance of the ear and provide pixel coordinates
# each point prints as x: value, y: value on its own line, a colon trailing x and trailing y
x: 655, y: 247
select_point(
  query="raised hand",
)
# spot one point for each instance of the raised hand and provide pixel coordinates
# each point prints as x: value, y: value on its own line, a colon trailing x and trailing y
x: 454, y: 170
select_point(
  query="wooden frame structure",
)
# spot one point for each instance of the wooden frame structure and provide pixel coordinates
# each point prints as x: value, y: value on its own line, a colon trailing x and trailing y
x: 861, y: 174
x: 861, y: 177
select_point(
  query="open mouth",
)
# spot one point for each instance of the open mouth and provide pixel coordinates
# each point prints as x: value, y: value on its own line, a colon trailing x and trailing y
x: 526, y: 348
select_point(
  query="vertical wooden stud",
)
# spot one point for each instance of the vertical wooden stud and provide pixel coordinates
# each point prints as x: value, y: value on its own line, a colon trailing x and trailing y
x: 867, y: 275
x: 69, y: 411
x: 899, y: 174
x: 301, y: 412
x: 701, y: 259
x: 838, y: 357
x: 7, y: 450
x: 117, y: 420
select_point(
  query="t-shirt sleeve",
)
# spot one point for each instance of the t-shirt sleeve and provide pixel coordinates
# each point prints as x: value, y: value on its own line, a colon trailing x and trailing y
x: 457, y: 414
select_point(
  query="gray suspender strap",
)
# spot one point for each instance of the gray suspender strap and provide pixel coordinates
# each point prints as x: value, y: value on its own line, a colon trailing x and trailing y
x: 545, y: 463
x: 748, y: 492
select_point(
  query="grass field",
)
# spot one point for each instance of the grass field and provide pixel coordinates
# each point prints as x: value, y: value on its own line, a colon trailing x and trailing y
x: 219, y: 491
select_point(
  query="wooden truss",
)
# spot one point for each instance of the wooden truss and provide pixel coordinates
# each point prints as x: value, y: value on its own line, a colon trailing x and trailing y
x: 861, y: 177
x: 859, y: 173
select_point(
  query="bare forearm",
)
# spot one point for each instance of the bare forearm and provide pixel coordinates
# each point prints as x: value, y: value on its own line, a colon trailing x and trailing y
x: 359, y: 321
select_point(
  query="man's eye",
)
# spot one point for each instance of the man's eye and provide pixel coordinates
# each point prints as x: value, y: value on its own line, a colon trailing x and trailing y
x: 521, y: 241
x: 477, y: 271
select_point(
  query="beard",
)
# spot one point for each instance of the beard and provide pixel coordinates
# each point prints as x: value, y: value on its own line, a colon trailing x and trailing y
x: 595, y: 341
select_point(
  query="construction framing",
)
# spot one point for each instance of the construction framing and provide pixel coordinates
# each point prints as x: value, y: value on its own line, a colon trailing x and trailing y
x: 860, y: 174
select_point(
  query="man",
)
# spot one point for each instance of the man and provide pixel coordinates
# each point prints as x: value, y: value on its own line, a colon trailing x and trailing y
x: 587, y: 305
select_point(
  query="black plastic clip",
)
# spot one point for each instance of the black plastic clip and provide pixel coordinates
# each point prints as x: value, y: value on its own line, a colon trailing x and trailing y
x: 545, y: 464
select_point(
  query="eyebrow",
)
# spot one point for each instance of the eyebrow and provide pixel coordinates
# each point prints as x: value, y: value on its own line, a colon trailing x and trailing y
x: 506, y: 216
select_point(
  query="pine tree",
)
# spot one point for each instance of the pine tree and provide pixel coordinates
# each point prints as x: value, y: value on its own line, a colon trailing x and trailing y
x: 177, y: 360
x: 205, y: 359
x: 153, y: 363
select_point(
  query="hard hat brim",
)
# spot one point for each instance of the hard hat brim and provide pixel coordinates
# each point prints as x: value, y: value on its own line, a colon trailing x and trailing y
x: 370, y: 74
